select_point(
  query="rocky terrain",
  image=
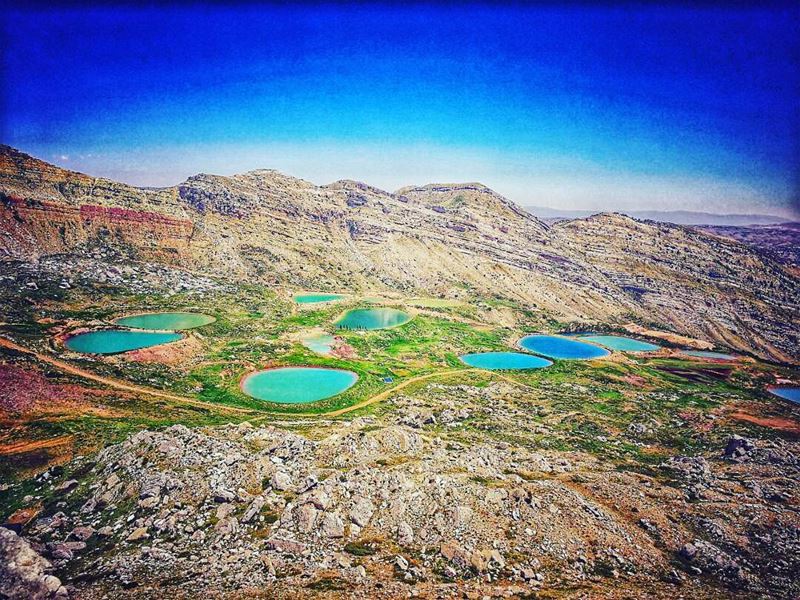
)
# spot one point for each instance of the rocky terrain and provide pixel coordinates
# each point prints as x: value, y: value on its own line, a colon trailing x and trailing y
x: 780, y: 241
x: 396, y: 506
x: 451, y: 239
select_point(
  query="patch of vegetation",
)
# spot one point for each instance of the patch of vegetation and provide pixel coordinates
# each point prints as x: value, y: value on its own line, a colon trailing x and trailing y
x: 366, y: 547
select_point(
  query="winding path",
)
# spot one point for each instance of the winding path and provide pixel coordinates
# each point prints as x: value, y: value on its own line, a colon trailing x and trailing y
x: 120, y: 385
x: 371, y: 400
x: 130, y: 387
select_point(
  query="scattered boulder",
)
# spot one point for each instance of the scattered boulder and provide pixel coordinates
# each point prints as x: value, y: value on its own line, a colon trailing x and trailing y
x: 739, y: 448
x: 23, y: 572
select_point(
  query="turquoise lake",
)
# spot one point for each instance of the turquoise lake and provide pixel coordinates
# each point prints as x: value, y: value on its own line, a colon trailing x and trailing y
x: 113, y: 341
x: 787, y: 393
x: 505, y: 360
x: 706, y: 354
x: 554, y: 346
x: 621, y: 343
x: 313, y: 298
x: 165, y: 320
x: 373, y: 318
x: 321, y: 344
x: 297, y: 385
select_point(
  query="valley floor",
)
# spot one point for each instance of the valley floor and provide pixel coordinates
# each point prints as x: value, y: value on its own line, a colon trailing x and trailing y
x: 150, y: 473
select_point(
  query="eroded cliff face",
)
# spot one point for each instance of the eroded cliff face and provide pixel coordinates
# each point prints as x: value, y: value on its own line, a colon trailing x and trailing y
x: 440, y: 238
x: 32, y: 228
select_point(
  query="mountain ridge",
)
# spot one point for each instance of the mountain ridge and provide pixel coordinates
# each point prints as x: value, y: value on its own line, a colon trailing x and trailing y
x: 676, y: 217
x: 442, y: 239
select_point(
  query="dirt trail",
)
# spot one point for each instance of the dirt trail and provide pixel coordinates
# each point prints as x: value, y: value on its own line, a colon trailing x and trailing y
x: 120, y: 385
x: 29, y: 446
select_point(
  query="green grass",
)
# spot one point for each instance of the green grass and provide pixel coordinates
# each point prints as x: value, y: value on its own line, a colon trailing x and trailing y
x: 255, y: 328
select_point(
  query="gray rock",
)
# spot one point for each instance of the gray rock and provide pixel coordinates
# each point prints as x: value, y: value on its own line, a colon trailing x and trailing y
x: 23, y: 573
x: 306, y: 517
x: 281, y: 481
x: 738, y: 448
x: 332, y: 525
x: 82, y: 533
x: 255, y: 507
x: 361, y: 511
x: 405, y: 534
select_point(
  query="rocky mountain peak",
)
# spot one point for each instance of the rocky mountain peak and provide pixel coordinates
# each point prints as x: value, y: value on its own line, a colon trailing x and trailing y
x: 22, y: 173
x: 351, y: 185
x: 469, y: 198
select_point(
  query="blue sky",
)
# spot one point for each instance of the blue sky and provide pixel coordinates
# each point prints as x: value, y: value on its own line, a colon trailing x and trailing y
x: 562, y: 105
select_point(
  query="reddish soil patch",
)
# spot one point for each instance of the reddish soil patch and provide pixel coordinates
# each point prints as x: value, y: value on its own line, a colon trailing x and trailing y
x: 633, y: 380
x: 779, y: 423
x: 29, y: 446
x: 700, y: 374
x: 168, y: 354
x: 26, y: 389
x: 680, y: 340
x: 343, y: 350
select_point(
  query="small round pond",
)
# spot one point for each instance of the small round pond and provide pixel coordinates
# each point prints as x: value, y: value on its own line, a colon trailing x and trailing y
x: 556, y: 346
x: 504, y: 360
x: 320, y: 343
x: 114, y: 341
x: 792, y: 394
x: 297, y: 385
x: 621, y: 343
x: 314, y: 298
x: 165, y: 321
x: 373, y: 318
x: 707, y: 354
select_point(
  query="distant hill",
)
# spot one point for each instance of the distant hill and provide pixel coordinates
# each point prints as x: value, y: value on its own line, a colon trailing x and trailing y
x: 677, y: 217
x: 781, y: 241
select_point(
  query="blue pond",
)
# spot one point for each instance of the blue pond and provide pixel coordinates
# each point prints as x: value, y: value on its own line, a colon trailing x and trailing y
x: 373, y: 318
x: 792, y: 394
x: 623, y: 344
x: 297, y: 385
x: 555, y: 346
x: 314, y: 298
x: 706, y: 354
x: 113, y: 341
x: 504, y: 360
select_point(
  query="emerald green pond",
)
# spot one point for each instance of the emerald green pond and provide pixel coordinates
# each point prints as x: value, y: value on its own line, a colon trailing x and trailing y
x: 314, y: 298
x: 505, y: 360
x: 621, y: 343
x: 113, y: 341
x: 297, y: 385
x: 165, y: 320
x: 373, y: 318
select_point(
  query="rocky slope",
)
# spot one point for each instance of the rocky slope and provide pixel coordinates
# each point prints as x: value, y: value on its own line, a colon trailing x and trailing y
x: 445, y: 239
x: 389, y: 510
x: 781, y: 241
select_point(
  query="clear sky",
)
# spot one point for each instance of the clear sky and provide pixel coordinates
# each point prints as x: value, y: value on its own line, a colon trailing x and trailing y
x: 571, y: 106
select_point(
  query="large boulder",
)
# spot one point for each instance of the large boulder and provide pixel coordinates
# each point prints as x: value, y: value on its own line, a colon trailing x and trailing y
x: 23, y: 572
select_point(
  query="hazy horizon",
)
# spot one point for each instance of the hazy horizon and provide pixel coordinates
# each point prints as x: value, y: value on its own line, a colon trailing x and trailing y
x: 563, y: 106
